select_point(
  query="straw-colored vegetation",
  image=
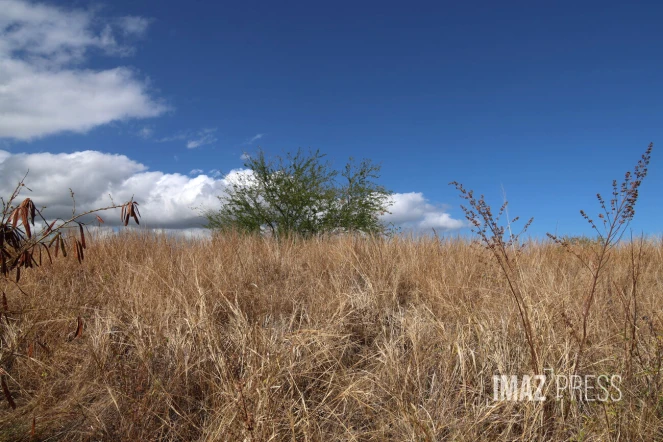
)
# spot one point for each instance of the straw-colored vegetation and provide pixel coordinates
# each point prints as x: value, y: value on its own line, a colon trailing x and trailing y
x: 246, y: 338
x: 139, y: 336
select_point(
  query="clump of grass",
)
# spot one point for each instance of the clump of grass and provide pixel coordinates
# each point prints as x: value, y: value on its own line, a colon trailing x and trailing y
x: 247, y: 338
x: 505, y: 249
x: 22, y: 247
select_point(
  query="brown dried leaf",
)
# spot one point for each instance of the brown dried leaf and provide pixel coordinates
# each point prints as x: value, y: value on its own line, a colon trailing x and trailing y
x: 78, y: 248
x: 26, y: 210
x: 57, y: 244
x: 50, y: 227
x: 5, y: 390
x: 33, y: 261
x: 14, y: 217
x: 62, y: 246
x: 48, y: 252
x: 100, y: 219
x: 24, y: 219
x: 45, y: 347
x: 79, y: 328
x: 80, y: 227
x: 54, y: 239
x: 130, y: 210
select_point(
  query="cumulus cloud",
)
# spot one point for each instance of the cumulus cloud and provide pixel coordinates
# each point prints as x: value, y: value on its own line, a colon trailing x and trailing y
x: 45, y: 87
x: 412, y: 211
x: 167, y: 200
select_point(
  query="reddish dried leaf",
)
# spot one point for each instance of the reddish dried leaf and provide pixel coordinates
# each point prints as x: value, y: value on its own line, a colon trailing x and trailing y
x: 24, y: 209
x: 53, y: 240
x: 15, y: 217
x: 50, y: 227
x: 100, y: 219
x: 79, y: 328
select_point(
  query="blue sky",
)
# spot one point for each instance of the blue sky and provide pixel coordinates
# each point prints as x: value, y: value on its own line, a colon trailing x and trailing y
x: 549, y: 102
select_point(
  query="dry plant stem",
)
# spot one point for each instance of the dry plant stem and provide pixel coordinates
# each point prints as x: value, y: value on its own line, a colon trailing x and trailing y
x: 487, y: 226
x: 17, y: 248
x: 615, y: 216
x: 630, y: 303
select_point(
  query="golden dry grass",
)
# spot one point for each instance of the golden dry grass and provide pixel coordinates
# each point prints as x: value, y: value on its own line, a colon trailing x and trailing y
x: 340, y: 339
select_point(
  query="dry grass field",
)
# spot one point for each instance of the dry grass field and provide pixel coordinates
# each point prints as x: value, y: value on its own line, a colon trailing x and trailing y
x: 339, y: 339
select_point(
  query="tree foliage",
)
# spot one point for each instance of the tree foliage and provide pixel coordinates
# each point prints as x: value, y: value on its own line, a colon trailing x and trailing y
x: 301, y: 194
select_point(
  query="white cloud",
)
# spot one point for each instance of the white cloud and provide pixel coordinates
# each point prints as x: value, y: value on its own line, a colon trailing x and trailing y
x: 44, y: 87
x: 193, y: 139
x: 176, y: 137
x: 196, y: 172
x: 203, y: 137
x: 131, y: 25
x: 413, y: 212
x: 254, y: 138
x: 167, y: 200
x: 146, y: 132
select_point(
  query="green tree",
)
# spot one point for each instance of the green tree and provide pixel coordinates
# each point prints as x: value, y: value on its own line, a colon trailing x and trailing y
x: 301, y: 194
